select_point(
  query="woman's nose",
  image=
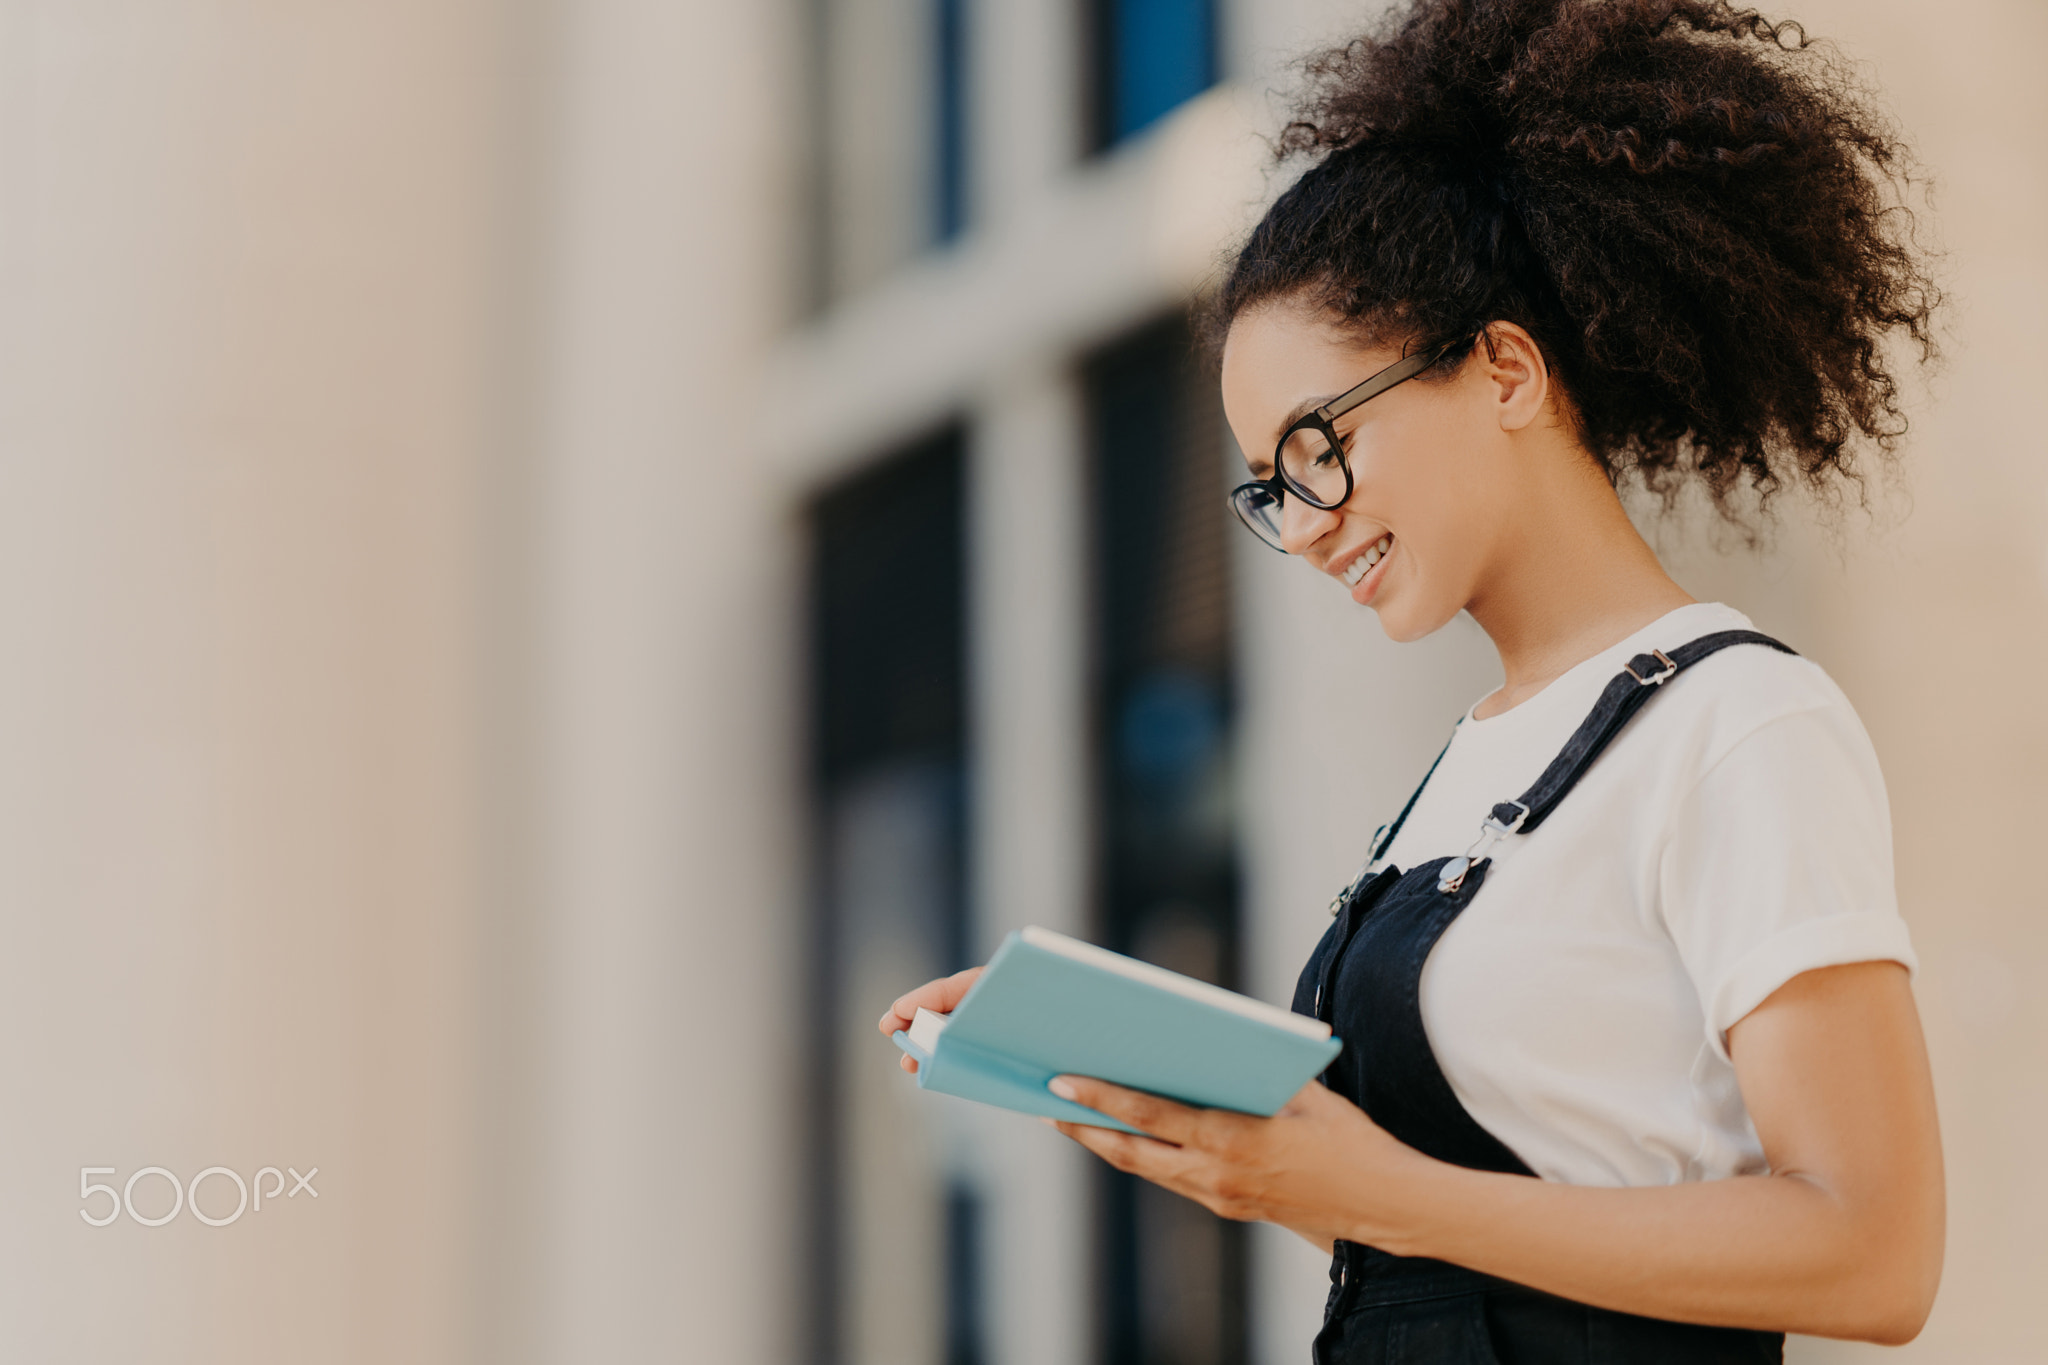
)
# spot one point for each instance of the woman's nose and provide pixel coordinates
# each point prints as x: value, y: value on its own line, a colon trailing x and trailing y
x: 1302, y: 525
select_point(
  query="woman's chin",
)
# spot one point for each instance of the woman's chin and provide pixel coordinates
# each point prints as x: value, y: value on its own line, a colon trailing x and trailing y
x: 1399, y: 635
x: 1403, y: 624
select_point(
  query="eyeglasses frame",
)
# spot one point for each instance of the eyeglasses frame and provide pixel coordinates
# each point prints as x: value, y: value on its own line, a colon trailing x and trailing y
x: 1277, y: 485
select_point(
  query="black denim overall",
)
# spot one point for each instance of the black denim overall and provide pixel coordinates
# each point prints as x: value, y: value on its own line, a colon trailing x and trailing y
x: 1364, y: 980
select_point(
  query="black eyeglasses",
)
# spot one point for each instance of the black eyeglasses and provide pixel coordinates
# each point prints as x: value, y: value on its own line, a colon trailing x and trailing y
x: 1309, y: 462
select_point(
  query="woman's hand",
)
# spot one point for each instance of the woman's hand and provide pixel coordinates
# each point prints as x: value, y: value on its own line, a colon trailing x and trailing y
x: 1315, y: 1168
x: 937, y: 996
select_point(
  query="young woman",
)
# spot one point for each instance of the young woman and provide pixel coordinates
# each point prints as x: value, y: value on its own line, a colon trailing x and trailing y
x: 1632, y: 1070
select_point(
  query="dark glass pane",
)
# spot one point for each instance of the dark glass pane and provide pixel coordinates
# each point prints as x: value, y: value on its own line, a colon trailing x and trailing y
x: 887, y: 599
x: 886, y: 94
x: 1149, y: 57
x: 964, y: 1319
x: 1173, y: 1275
x: 888, y: 773
x: 949, y: 184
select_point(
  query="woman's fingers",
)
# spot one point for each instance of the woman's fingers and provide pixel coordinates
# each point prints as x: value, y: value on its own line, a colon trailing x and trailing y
x: 938, y: 996
x: 1126, y: 1152
x: 1163, y: 1119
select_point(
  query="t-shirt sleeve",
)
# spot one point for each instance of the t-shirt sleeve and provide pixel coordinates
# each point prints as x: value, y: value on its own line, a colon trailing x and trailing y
x: 1779, y: 861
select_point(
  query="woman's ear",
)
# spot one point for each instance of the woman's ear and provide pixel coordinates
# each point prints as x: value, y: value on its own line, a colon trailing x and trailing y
x: 1516, y: 374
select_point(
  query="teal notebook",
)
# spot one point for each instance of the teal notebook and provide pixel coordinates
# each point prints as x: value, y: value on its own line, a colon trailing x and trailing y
x: 1050, y: 1005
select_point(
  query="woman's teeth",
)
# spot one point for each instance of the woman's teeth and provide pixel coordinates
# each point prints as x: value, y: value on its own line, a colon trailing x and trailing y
x: 1362, y: 565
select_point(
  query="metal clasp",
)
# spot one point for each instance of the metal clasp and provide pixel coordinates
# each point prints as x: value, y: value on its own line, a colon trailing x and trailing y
x: 1661, y: 657
x: 1343, y: 897
x: 1491, y: 832
x: 1366, y: 870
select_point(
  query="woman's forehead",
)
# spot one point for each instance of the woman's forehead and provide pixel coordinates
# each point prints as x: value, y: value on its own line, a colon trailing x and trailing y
x: 1280, y: 361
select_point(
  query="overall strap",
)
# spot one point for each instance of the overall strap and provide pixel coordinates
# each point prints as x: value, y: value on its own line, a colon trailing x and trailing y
x: 1388, y: 833
x: 1383, y: 838
x: 1624, y: 695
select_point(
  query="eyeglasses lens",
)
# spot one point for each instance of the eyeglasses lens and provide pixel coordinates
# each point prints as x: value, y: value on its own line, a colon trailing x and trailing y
x: 1313, y: 465
x: 1259, y: 510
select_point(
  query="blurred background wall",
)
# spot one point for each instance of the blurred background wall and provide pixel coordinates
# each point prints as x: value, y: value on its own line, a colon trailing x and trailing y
x: 560, y: 554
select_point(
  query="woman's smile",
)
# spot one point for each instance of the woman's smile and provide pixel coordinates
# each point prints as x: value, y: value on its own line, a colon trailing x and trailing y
x: 1365, y: 570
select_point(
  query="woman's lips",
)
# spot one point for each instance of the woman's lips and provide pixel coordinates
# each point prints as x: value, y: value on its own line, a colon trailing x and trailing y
x: 1364, y: 573
x: 1363, y: 561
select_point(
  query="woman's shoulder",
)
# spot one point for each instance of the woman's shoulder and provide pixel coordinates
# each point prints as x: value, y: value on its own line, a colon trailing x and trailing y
x: 1747, y: 693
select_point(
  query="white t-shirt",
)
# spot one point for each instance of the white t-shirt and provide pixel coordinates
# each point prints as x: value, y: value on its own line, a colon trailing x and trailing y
x: 1733, y: 835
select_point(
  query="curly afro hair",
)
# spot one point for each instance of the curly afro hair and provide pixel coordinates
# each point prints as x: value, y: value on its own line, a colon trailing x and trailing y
x: 1695, y: 213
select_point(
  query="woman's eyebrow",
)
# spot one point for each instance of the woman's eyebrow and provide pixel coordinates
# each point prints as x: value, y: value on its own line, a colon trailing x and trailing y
x: 1260, y: 467
x: 1303, y: 409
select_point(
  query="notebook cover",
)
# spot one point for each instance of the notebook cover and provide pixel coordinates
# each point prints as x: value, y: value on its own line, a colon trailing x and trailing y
x: 1037, y: 1013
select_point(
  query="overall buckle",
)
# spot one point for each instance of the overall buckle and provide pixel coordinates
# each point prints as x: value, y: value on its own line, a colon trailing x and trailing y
x: 1491, y: 831
x: 1661, y: 657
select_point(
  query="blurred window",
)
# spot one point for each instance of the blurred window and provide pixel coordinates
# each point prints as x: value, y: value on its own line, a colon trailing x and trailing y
x: 1172, y: 1275
x: 1148, y: 58
x: 891, y: 163
x: 897, y: 1267
x: 949, y: 152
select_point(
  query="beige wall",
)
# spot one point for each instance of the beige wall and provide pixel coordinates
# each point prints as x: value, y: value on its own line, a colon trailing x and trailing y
x: 1935, y: 621
x: 243, y: 418
x: 393, y: 678
x: 641, y: 1025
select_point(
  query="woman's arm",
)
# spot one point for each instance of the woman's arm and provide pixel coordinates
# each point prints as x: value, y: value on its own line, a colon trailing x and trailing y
x: 1843, y: 1238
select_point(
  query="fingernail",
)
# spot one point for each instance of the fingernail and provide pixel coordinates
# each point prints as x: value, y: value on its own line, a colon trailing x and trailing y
x: 1050, y: 1123
x: 1061, y: 1086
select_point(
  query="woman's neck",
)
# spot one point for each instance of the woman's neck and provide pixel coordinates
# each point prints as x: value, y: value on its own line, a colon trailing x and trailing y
x: 1573, y: 579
